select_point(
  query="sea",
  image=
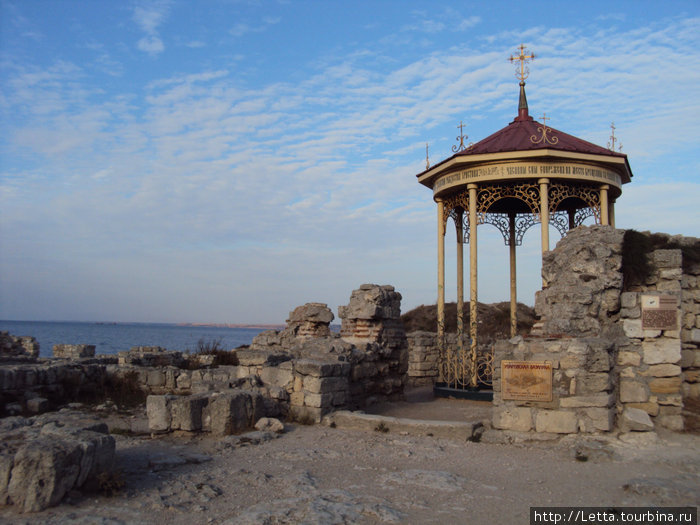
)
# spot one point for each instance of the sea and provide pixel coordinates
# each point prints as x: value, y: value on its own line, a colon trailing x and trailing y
x: 111, y: 338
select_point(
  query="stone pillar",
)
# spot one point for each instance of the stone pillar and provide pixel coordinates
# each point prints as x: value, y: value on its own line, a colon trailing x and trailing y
x: 604, y: 205
x: 513, y: 282
x: 472, y: 279
x: 544, y: 212
x: 460, y: 281
x: 572, y: 218
x: 441, y: 286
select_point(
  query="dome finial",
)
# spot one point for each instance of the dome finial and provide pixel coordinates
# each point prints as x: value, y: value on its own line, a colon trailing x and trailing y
x: 522, y: 73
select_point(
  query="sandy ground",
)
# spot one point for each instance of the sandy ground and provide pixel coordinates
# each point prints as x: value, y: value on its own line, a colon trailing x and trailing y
x: 318, y: 474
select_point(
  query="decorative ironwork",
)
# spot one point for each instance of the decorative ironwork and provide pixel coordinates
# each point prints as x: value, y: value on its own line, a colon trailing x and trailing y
x: 529, y: 193
x: 611, y: 142
x: 524, y: 222
x: 560, y: 220
x: 458, y: 200
x: 484, y: 365
x: 543, y: 129
x: 462, y: 137
x: 582, y: 215
x: 588, y: 194
x: 523, y: 58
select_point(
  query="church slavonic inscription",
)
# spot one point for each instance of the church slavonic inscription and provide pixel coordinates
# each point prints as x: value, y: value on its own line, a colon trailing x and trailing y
x: 659, y: 312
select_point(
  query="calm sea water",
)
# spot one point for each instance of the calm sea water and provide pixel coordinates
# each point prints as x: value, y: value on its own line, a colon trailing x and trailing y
x: 113, y: 338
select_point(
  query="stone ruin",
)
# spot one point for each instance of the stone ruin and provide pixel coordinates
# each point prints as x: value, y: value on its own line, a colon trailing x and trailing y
x: 300, y: 373
x: 609, y: 372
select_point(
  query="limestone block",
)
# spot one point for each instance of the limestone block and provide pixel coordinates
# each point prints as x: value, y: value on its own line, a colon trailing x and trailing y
x: 186, y: 412
x: 321, y: 368
x: 156, y: 378
x: 628, y: 299
x: 322, y: 385
x: 687, y: 359
x: 661, y: 350
x: 158, y: 413
x: 512, y: 418
x: 635, y: 419
x: 651, y: 408
x: 591, y: 383
x: 296, y: 398
x: 37, y: 405
x: 633, y: 328
x: 691, y: 376
x: 318, y: 400
x: 671, y: 400
x: 597, y: 419
x: 73, y: 351
x: 601, y: 399
x: 274, y: 375
x: 695, y: 335
x: 672, y: 422
x: 629, y: 359
x: 665, y: 385
x: 556, y: 421
x: 183, y: 381
x: 663, y: 370
x: 633, y: 392
x: 269, y: 424
x: 229, y: 413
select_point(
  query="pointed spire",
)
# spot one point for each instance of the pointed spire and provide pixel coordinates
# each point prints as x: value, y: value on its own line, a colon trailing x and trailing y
x: 522, y: 74
x: 522, y: 104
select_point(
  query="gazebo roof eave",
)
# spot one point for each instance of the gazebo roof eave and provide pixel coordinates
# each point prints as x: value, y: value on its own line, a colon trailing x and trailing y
x: 427, y: 177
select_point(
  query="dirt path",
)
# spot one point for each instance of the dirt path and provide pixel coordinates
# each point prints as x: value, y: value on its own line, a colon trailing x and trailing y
x: 317, y: 474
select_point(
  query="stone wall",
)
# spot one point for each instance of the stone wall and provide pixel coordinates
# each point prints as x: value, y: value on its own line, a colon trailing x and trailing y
x: 12, y: 346
x: 608, y: 373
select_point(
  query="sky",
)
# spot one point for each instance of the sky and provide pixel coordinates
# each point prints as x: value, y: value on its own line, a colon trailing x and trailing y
x: 226, y: 161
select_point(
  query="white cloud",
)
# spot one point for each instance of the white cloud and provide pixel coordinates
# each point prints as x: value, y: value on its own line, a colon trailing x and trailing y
x: 148, y: 17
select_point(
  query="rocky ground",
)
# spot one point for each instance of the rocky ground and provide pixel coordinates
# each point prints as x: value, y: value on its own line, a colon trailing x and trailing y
x: 319, y: 474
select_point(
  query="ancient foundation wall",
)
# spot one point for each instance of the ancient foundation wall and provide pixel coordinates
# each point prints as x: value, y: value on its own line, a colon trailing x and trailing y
x: 612, y: 369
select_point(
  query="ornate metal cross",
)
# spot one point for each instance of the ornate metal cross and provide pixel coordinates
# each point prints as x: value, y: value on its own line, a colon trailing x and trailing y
x: 611, y: 142
x: 462, y: 136
x: 544, y: 139
x: 523, y: 58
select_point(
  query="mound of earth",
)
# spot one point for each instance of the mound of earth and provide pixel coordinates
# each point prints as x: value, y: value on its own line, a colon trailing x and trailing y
x: 493, y: 319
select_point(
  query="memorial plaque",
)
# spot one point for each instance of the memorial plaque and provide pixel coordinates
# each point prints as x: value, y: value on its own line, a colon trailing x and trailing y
x: 526, y: 380
x: 659, y: 312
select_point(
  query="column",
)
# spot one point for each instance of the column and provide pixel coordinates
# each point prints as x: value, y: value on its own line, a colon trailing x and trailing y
x: 513, y: 283
x: 572, y: 218
x: 460, y: 294
x: 441, y: 290
x: 604, y: 205
x: 612, y: 213
x: 472, y: 281
x: 544, y: 212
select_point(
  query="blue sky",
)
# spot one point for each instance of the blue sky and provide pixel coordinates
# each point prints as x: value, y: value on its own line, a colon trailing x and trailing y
x: 226, y: 161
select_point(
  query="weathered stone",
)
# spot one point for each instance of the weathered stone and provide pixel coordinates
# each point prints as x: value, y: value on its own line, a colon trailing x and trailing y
x: 672, y: 422
x: 651, y: 408
x: 633, y: 392
x: 556, y: 421
x: 269, y: 424
x: 158, y: 413
x: 232, y: 412
x: 633, y: 328
x: 186, y: 412
x: 665, y: 385
x: 310, y: 320
x: 663, y: 370
x: 73, y: 351
x: 598, y: 419
x: 635, y: 419
x: 601, y: 399
x: 661, y: 350
x: 37, y: 405
x: 372, y: 301
x: 629, y: 359
x: 512, y: 418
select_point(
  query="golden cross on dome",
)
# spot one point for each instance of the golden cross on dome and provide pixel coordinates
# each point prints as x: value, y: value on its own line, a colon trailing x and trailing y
x: 427, y: 159
x: 523, y: 58
x: 462, y: 136
x: 611, y: 142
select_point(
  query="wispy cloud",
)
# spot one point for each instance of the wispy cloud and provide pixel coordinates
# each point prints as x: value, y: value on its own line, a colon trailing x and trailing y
x: 148, y: 16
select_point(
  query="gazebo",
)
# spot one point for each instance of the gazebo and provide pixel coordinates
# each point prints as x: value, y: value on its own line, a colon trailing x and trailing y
x: 525, y: 173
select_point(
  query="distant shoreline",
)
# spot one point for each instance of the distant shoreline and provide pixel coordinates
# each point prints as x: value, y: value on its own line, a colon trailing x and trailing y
x: 232, y: 325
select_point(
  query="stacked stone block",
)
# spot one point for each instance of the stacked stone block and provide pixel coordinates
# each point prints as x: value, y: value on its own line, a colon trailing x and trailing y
x: 583, y: 306
x: 422, y: 358
x: 12, y: 346
x: 583, y: 398
x: 73, y: 351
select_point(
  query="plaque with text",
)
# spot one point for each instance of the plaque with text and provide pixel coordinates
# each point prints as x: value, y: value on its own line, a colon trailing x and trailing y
x: 659, y: 312
x: 526, y: 380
